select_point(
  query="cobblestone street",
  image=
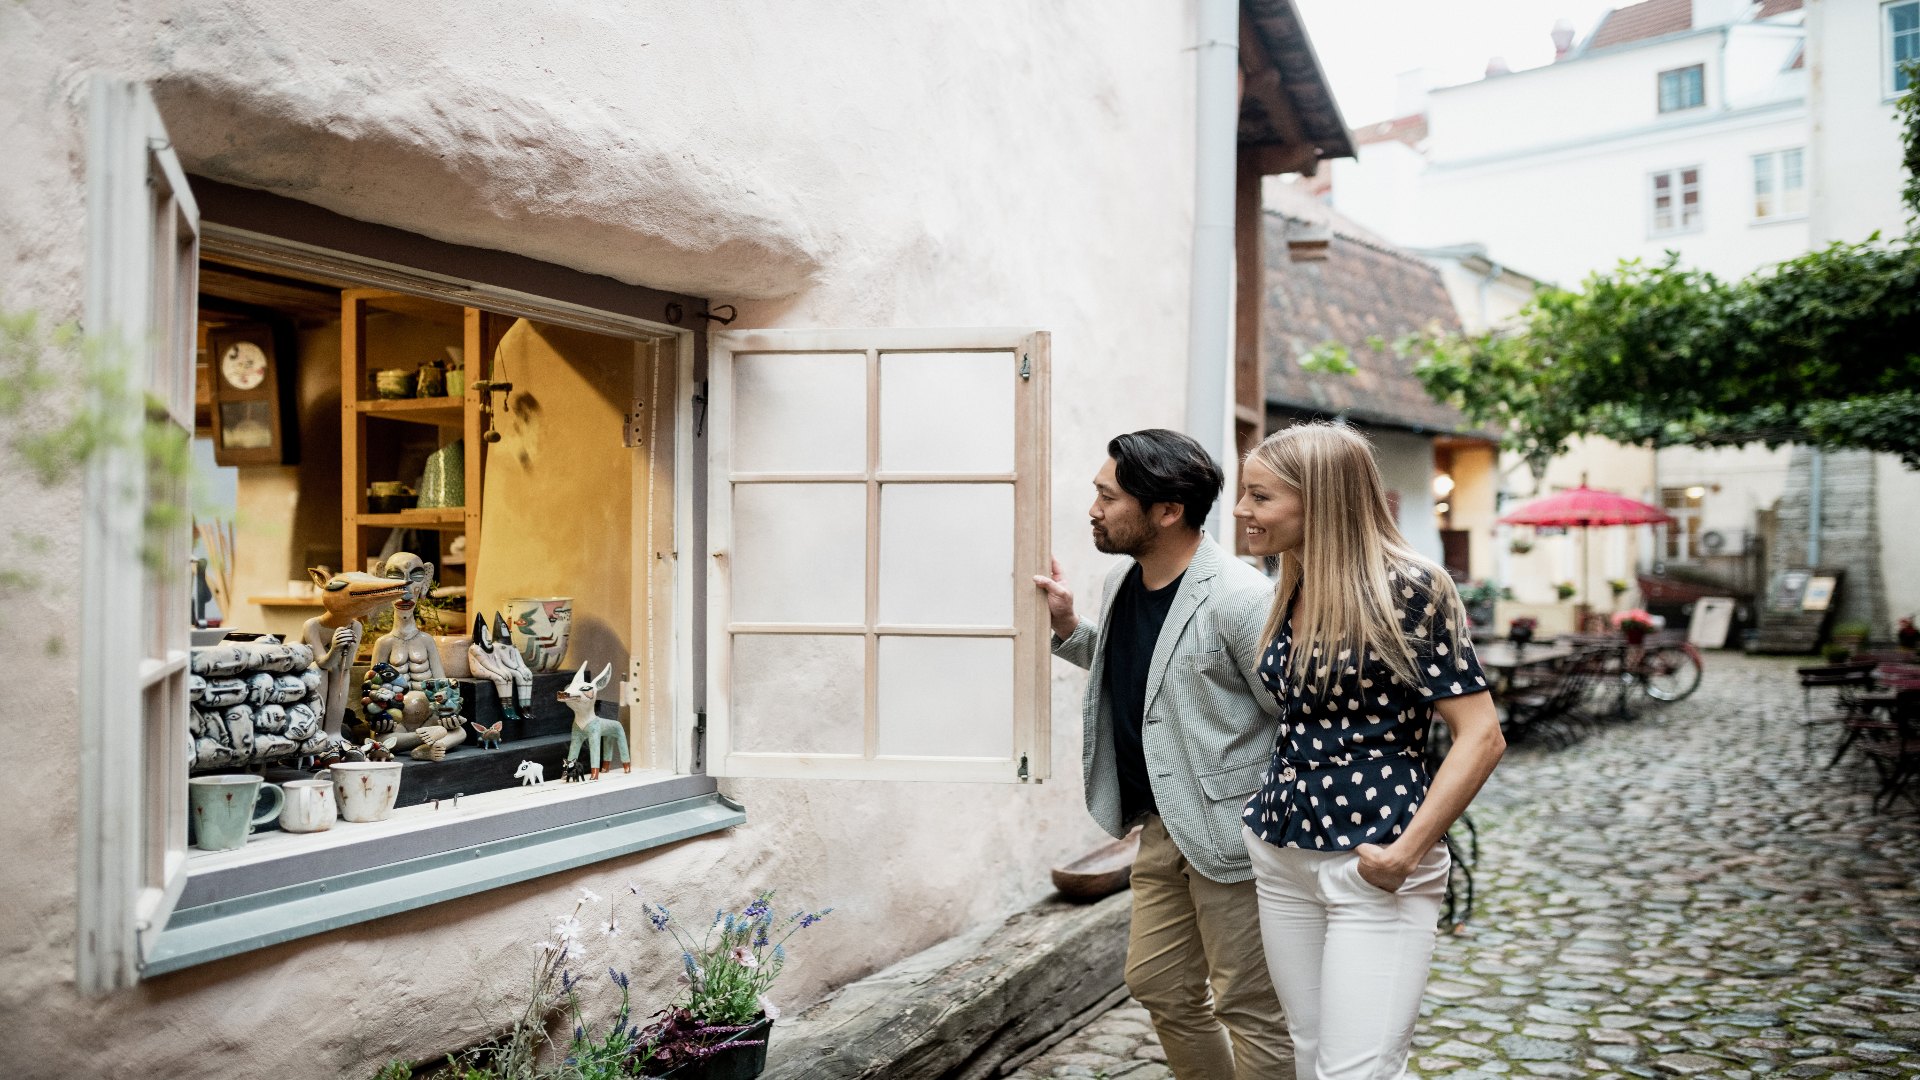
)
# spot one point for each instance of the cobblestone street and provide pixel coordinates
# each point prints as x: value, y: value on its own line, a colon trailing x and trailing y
x: 1689, y: 894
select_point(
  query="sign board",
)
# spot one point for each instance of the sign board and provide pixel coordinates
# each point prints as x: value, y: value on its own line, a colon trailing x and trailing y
x: 1712, y: 618
x: 1819, y: 594
x: 1789, y: 589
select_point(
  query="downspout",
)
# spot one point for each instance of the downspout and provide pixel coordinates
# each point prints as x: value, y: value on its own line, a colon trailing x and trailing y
x: 1815, y: 483
x: 1210, y: 307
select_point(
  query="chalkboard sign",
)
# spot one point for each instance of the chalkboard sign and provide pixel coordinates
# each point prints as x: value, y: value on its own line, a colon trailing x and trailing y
x: 1789, y: 589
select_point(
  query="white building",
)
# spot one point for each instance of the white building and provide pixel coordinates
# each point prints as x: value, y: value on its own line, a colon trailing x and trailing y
x: 1735, y: 135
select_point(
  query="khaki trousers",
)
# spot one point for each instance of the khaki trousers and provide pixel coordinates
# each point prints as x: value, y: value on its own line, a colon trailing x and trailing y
x: 1194, y: 960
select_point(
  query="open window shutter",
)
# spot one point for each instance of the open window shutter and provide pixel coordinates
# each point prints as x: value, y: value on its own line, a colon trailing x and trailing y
x: 142, y: 279
x: 878, y: 504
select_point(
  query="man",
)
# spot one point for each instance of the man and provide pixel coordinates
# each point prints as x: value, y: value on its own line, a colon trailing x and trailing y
x: 1177, y: 733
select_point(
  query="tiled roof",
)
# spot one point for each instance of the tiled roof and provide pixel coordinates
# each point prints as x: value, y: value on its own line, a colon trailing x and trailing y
x: 1770, y: 8
x: 1362, y: 289
x: 1649, y: 19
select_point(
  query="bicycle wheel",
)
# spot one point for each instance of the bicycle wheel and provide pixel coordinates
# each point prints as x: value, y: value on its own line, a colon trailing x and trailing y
x: 1669, y: 673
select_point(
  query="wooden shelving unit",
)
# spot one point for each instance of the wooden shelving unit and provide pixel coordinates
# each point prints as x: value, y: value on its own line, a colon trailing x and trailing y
x: 480, y: 335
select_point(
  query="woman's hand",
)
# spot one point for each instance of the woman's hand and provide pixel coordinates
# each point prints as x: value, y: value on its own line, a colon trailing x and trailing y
x: 1384, y: 868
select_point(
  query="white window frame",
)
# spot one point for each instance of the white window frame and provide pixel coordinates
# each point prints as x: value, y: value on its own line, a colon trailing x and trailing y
x: 1030, y: 630
x: 1681, y: 536
x: 1660, y: 87
x: 1770, y: 167
x: 1677, y: 189
x: 142, y: 278
x: 1891, y: 42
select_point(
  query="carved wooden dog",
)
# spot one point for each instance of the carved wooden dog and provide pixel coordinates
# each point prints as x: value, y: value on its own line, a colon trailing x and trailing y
x: 601, y: 735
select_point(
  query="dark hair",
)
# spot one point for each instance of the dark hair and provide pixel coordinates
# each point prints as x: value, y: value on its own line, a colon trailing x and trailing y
x: 1161, y: 466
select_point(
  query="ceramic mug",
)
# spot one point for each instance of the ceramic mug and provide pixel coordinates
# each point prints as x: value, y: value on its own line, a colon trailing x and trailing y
x: 394, y: 382
x: 222, y: 808
x: 309, y: 804
x: 365, y: 790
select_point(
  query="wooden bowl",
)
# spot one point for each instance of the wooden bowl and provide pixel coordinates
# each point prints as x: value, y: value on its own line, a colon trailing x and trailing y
x: 1101, y: 872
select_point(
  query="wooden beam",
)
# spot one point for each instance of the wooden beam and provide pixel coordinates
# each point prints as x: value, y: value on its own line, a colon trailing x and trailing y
x: 1272, y: 159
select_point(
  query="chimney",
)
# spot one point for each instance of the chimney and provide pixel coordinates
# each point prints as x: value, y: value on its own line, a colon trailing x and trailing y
x: 1497, y: 65
x: 1562, y: 39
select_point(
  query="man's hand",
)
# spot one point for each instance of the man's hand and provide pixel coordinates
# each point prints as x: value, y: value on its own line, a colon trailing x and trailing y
x: 1059, y: 600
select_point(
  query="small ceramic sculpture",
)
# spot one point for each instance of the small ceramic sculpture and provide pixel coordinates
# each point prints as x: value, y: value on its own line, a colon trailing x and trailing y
x: 254, y: 703
x: 335, y: 635
x: 411, y: 651
x: 493, y: 656
x: 599, y: 734
x: 541, y: 627
x: 530, y: 772
x: 489, y: 736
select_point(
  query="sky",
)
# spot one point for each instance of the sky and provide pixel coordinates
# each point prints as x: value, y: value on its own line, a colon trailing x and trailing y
x: 1364, y: 45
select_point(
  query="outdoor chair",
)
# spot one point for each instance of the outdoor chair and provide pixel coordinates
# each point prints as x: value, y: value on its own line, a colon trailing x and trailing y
x: 1892, y: 745
x: 1555, y: 704
x: 1847, y: 681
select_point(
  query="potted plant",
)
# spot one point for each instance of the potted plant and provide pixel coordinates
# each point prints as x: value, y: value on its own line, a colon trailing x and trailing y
x: 1851, y: 633
x: 1520, y: 630
x: 1907, y: 634
x: 1519, y: 545
x: 1619, y: 587
x: 1565, y: 589
x: 1478, y: 598
x: 1634, y: 624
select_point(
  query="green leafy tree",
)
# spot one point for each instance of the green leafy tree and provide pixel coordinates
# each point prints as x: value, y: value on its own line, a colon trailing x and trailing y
x: 1822, y: 350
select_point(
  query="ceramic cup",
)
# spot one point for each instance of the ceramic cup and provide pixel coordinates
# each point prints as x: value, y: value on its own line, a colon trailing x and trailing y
x: 394, y: 382
x: 222, y: 808
x: 365, y: 790
x: 309, y: 804
x: 540, y: 626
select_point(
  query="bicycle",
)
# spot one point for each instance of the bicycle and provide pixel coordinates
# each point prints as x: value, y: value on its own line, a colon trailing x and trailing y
x: 1666, y: 671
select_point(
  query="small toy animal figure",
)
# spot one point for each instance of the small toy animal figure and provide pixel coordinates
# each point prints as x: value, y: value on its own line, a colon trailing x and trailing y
x: 492, y: 656
x: 575, y: 772
x: 489, y: 735
x: 600, y: 734
x: 530, y: 772
x: 335, y: 636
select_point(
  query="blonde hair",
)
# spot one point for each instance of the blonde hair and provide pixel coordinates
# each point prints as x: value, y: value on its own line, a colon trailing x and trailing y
x: 1352, y: 565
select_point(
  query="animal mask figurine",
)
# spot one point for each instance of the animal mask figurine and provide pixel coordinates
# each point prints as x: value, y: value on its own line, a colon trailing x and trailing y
x: 335, y: 635
x: 493, y: 656
x: 597, y: 732
x: 489, y: 735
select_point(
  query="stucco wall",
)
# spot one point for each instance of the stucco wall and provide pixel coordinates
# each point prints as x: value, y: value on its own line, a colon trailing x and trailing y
x: 1854, y: 160
x: 867, y: 164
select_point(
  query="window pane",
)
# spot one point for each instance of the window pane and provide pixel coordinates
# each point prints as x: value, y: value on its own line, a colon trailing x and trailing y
x: 795, y: 693
x: 1693, y: 83
x: 946, y: 554
x: 946, y: 412
x: 1793, y: 182
x: 1763, y: 185
x: 800, y: 413
x: 799, y: 553
x: 1903, y: 18
x: 946, y: 696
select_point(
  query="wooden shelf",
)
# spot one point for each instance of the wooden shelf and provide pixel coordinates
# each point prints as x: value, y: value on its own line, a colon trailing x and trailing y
x: 437, y: 411
x: 286, y: 601
x: 452, y: 517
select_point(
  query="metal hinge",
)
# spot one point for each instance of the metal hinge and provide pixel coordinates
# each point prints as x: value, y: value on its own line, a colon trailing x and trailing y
x: 700, y: 410
x: 1023, y: 767
x: 1026, y: 365
x: 699, y: 742
x: 633, y: 432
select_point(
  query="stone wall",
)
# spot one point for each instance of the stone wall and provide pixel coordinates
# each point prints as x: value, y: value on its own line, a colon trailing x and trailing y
x: 1849, y: 532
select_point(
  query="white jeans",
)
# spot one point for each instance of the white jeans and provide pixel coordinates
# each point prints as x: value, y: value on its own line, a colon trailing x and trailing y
x: 1348, y: 960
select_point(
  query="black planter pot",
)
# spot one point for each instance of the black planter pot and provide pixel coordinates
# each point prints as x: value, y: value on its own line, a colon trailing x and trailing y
x: 729, y: 1061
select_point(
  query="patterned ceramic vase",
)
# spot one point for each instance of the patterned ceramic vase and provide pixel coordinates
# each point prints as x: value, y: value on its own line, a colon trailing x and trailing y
x: 539, y: 626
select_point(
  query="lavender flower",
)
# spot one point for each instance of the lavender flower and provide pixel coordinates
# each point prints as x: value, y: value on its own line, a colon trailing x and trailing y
x: 619, y: 978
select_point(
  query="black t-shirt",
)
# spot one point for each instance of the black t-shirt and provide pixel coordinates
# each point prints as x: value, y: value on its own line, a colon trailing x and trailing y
x: 1133, y: 629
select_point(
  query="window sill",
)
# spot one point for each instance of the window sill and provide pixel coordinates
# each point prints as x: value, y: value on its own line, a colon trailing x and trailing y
x: 1777, y: 219
x: 267, y: 893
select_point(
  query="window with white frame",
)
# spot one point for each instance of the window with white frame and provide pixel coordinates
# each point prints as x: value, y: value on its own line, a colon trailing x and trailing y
x: 1676, y: 200
x: 1685, y: 505
x: 1779, y: 184
x: 1903, y: 42
x: 878, y: 505
x: 928, y: 514
x: 1683, y: 88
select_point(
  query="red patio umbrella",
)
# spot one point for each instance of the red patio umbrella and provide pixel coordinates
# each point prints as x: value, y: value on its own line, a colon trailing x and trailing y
x: 1585, y: 507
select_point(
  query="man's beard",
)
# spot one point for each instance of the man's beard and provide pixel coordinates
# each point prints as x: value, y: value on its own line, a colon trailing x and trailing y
x: 1121, y: 541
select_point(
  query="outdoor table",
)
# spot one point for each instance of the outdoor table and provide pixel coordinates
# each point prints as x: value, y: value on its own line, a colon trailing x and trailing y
x: 1505, y: 658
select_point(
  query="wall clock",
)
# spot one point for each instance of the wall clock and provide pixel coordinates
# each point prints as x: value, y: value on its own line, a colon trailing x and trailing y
x: 252, y: 394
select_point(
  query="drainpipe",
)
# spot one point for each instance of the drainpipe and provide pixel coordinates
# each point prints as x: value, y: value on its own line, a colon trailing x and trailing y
x: 1814, y: 483
x: 1210, y: 307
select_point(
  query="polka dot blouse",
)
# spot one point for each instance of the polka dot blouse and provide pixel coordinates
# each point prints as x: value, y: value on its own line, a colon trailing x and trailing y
x: 1348, y: 766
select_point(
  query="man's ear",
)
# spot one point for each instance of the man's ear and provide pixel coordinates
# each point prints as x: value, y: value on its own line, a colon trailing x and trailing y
x: 1167, y: 514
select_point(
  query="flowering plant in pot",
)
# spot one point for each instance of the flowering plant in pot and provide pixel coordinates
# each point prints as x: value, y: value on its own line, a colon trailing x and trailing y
x: 1565, y: 589
x: 1520, y: 630
x: 1907, y: 634
x: 1634, y: 623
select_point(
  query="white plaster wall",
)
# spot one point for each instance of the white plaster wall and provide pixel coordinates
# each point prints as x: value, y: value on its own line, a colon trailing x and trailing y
x: 1406, y: 467
x: 1741, y: 482
x: 1855, y: 159
x: 1897, y: 497
x: 870, y: 163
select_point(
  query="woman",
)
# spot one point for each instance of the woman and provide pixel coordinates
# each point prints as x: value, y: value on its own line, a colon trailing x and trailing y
x: 1367, y: 641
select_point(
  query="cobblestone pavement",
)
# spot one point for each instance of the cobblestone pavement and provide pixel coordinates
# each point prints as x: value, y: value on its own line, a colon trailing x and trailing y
x: 1687, y: 894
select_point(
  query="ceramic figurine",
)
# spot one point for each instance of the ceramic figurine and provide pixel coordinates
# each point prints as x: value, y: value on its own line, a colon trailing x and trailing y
x: 406, y: 646
x: 541, y: 627
x: 530, y: 772
x: 335, y: 636
x: 493, y: 656
x: 382, y: 702
x: 597, y: 732
x: 573, y: 772
x: 489, y: 735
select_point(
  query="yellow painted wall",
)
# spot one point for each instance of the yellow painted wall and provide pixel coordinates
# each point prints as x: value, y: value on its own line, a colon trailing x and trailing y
x: 558, y: 511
